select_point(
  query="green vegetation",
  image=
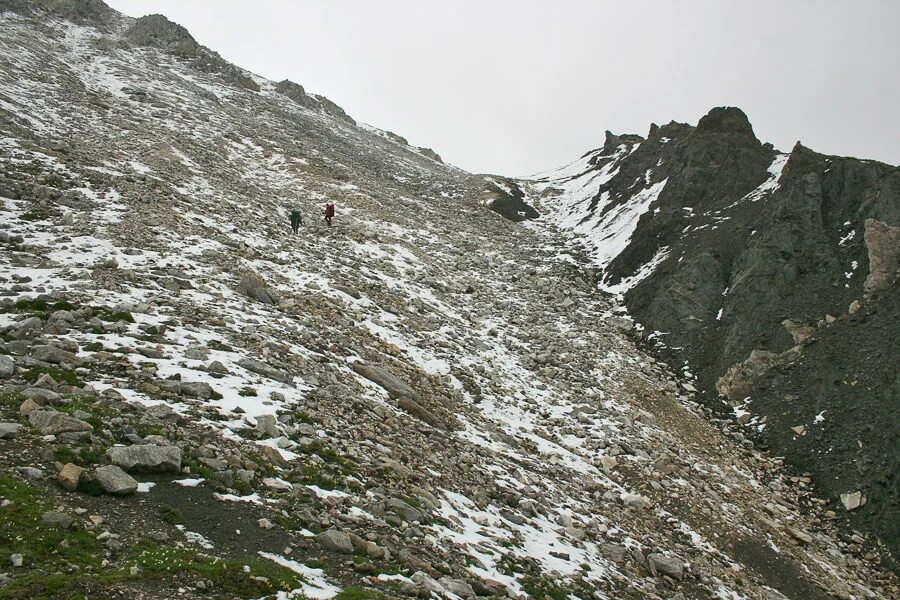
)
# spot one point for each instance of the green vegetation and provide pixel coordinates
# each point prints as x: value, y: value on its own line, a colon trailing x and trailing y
x: 47, y: 549
x: 358, y: 593
x: 34, y: 215
x: 36, y: 306
x: 170, y: 514
x: 63, y: 376
x: 229, y: 576
x: 11, y: 399
x: 48, y: 552
x: 537, y: 588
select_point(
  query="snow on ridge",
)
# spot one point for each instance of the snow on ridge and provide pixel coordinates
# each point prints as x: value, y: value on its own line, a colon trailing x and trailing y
x: 770, y: 185
x: 611, y: 234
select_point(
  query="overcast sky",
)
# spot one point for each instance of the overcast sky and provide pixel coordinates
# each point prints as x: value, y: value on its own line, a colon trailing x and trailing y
x: 515, y: 86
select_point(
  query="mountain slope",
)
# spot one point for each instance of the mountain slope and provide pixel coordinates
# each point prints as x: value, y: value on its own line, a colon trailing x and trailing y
x: 722, y: 246
x: 425, y: 400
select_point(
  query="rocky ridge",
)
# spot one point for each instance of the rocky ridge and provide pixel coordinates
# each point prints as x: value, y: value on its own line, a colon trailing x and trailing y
x: 735, y: 259
x: 424, y: 400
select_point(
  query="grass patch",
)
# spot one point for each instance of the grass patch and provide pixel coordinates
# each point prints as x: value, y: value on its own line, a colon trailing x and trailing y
x: 37, y: 306
x: 145, y: 429
x: 21, y: 532
x: 229, y: 576
x: 358, y: 593
x: 12, y: 399
x: 34, y: 215
x: 63, y: 376
x: 170, y: 514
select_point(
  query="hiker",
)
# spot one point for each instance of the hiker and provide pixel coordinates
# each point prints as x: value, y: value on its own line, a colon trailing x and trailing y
x: 296, y: 220
x: 329, y: 213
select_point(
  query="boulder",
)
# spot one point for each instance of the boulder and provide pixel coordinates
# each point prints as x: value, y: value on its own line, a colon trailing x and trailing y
x: 69, y: 476
x: 336, y: 541
x: 457, y: 586
x: 56, y: 356
x: 883, y: 245
x: 7, y: 366
x: 852, y: 500
x: 737, y: 383
x: 274, y: 456
x: 113, y: 480
x: 54, y: 423
x: 395, y: 387
x: 26, y: 329
x: 261, y: 368
x: 420, y: 412
x: 253, y: 286
x: 267, y: 425
x: 197, y: 389
x: 9, y: 430
x: 667, y: 565
x: 407, y: 512
x: 57, y: 519
x: 146, y: 458
x: 42, y: 396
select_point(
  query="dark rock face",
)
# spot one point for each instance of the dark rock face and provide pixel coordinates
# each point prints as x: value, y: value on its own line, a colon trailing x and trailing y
x: 159, y: 32
x: 83, y: 12
x: 849, y: 378
x: 431, y: 154
x: 295, y: 92
x: 751, y: 239
x: 508, y: 201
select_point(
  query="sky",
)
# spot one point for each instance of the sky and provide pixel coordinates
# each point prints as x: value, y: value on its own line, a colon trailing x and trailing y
x: 515, y: 87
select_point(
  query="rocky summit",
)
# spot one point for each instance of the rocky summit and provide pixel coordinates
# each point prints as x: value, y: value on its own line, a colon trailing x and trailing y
x: 444, y: 393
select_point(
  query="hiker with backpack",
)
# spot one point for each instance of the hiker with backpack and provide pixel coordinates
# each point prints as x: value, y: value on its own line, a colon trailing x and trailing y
x: 329, y: 212
x: 296, y: 220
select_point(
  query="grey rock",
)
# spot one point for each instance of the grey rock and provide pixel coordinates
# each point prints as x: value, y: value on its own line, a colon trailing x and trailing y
x: 420, y: 412
x: 31, y: 473
x: 458, y: 586
x: 7, y: 366
x: 53, y: 355
x: 26, y: 328
x: 253, y: 286
x: 217, y: 368
x: 57, y: 519
x: 407, y: 512
x: 396, y: 387
x: 197, y: 389
x: 667, y: 565
x: 54, y: 423
x: 336, y: 541
x: 146, y: 458
x: 261, y: 368
x: 115, y: 481
x: 267, y: 425
x: 9, y: 430
x: 41, y: 396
